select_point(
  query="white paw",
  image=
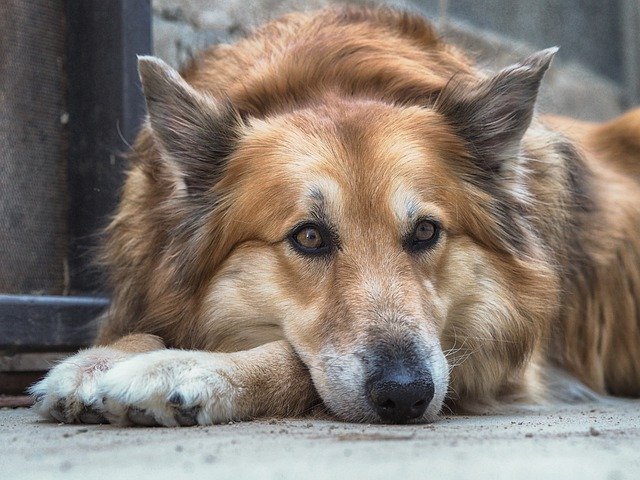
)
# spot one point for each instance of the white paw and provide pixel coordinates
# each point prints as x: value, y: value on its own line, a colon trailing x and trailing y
x: 68, y: 392
x: 170, y: 388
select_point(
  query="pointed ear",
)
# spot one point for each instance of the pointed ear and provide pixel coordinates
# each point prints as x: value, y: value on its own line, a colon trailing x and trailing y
x: 492, y: 115
x: 193, y: 130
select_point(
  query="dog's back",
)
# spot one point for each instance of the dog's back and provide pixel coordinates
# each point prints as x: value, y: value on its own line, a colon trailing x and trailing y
x: 598, y: 337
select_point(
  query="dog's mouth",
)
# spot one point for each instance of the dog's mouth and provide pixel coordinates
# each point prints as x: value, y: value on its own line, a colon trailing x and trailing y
x: 367, y: 386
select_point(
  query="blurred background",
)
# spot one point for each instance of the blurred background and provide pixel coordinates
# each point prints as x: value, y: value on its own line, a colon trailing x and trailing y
x: 70, y: 104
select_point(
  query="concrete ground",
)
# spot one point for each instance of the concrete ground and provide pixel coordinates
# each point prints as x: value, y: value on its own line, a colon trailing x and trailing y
x: 586, y: 441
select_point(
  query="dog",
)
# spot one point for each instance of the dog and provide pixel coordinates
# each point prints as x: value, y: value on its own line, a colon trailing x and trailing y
x: 343, y: 210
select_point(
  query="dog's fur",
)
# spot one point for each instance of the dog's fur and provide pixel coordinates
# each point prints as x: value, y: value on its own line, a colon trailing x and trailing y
x: 363, y: 121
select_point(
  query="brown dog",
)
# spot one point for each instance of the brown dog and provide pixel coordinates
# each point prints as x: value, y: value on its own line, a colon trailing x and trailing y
x: 343, y: 208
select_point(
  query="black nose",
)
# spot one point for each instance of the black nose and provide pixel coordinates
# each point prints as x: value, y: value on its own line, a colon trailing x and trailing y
x: 399, y: 397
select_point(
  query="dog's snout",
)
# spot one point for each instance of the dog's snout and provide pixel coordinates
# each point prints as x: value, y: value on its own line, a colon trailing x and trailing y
x: 399, y: 396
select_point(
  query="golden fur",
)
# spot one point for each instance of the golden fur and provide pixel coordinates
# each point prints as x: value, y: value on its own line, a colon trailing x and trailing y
x: 366, y: 116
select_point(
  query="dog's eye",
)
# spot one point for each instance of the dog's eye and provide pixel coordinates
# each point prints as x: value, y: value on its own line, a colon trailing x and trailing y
x: 310, y: 239
x: 425, y: 231
x: 425, y: 235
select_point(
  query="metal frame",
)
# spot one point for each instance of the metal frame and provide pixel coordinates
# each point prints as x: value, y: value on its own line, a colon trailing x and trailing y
x: 32, y: 322
x: 105, y: 106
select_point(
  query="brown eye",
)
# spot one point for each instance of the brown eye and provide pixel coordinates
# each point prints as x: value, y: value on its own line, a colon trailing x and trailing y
x: 310, y: 239
x: 425, y: 235
x: 425, y: 231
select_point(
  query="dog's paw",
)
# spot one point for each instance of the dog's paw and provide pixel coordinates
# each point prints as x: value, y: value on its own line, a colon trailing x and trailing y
x: 170, y: 388
x: 68, y: 392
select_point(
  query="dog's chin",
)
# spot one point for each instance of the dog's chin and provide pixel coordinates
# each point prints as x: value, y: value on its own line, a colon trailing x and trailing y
x: 340, y: 381
x: 358, y: 410
x: 366, y: 414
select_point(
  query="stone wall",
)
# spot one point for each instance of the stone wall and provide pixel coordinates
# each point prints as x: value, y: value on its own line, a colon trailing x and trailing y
x: 595, y: 76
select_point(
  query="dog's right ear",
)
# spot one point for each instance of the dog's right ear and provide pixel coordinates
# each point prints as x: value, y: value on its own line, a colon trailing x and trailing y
x: 493, y: 114
x: 195, y: 131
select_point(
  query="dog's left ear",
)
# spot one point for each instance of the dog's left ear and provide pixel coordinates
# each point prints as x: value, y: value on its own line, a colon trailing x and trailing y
x: 492, y: 115
x: 196, y: 132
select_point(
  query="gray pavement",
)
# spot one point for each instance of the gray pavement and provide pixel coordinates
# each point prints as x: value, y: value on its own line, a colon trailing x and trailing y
x: 589, y: 441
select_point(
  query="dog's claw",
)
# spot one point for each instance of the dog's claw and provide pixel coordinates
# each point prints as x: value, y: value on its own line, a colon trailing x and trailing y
x: 57, y: 411
x: 91, y: 415
x: 138, y: 416
x: 187, y: 417
x: 176, y: 399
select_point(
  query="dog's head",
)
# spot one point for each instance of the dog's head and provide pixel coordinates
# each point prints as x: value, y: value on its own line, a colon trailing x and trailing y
x: 389, y: 244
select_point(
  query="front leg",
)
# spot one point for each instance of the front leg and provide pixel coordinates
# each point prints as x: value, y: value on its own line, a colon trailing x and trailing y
x: 183, y: 387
